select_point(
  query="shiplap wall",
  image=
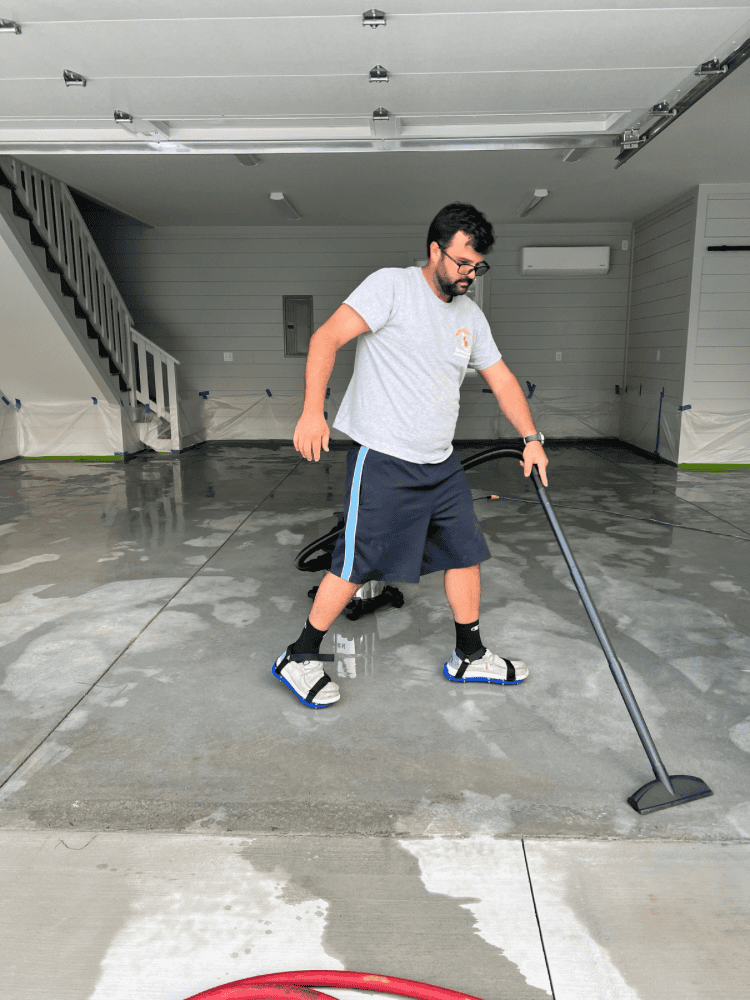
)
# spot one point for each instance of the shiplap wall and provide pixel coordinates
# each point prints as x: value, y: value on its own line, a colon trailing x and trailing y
x: 200, y: 291
x: 717, y: 363
x: 663, y: 243
x: 584, y: 316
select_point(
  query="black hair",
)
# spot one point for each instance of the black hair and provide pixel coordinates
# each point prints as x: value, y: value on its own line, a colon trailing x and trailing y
x: 458, y: 217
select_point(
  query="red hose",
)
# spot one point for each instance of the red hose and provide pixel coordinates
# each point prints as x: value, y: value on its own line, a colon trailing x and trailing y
x: 298, y: 986
x: 242, y: 989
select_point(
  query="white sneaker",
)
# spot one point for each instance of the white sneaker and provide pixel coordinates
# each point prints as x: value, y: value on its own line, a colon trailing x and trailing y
x: 304, y: 674
x: 489, y: 667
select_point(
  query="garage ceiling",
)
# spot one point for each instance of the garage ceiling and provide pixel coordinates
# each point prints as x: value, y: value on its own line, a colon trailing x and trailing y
x: 483, y: 104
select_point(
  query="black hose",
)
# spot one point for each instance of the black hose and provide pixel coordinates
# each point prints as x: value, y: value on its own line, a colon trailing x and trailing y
x: 327, y: 543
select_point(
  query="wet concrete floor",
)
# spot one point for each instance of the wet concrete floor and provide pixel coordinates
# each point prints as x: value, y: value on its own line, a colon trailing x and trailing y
x: 142, y: 607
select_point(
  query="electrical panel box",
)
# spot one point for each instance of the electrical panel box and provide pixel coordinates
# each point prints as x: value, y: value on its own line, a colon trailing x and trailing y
x: 565, y: 260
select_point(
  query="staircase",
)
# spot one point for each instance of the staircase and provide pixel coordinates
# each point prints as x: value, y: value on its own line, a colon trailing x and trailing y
x: 46, y: 222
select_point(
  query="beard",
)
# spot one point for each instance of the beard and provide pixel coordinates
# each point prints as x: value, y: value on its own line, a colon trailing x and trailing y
x: 453, y: 288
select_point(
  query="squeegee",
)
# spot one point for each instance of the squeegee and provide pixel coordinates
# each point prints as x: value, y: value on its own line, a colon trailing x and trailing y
x: 666, y: 790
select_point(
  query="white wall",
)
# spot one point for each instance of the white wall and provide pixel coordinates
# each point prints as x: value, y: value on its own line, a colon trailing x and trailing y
x: 585, y: 318
x: 200, y: 291
x: 37, y: 362
x: 658, y: 325
x: 717, y: 356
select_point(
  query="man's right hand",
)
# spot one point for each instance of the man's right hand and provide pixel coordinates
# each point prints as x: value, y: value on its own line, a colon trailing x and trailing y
x: 310, y: 434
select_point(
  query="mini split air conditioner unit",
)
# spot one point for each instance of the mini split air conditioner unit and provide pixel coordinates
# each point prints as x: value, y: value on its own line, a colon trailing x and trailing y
x: 565, y: 260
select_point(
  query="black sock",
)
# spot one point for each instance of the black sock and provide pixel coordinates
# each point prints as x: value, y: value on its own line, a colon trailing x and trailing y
x: 467, y: 638
x: 309, y: 640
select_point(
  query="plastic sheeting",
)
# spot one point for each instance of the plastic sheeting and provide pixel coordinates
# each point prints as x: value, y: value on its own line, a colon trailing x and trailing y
x: 557, y: 413
x: 78, y: 428
x: 192, y: 421
x: 8, y: 431
x: 258, y: 416
x: 255, y: 416
x: 585, y: 413
x: 642, y: 426
x: 715, y: 438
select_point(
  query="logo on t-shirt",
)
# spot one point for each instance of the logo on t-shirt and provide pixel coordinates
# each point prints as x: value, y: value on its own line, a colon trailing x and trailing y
x: 463, y: 343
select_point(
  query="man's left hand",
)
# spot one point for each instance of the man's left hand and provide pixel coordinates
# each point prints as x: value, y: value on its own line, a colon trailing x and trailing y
x: 533, y: 455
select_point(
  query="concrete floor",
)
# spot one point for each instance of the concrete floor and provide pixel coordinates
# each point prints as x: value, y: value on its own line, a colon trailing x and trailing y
x: 142, y: 608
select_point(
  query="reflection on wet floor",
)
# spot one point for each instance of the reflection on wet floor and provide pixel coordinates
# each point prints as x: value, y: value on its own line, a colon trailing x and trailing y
x: 144, y: 604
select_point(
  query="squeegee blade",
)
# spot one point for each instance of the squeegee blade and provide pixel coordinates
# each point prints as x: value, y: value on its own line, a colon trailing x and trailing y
x: 655, y: 796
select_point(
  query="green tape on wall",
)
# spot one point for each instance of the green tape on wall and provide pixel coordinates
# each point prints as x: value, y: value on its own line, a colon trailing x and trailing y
x: 719, y: 467
x: 73, y: 458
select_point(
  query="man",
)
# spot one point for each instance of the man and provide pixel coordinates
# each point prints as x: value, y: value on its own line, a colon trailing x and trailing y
x: 408, y: 508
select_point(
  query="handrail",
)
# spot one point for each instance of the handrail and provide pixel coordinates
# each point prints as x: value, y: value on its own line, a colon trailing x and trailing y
x: 58, y: 219
x: 155, y: 383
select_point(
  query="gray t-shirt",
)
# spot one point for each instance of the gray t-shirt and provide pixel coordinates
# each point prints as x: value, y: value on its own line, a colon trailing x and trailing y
x: 403, y: 396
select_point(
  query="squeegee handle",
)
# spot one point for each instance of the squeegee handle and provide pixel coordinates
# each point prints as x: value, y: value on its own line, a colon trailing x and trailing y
x: 614, y: 664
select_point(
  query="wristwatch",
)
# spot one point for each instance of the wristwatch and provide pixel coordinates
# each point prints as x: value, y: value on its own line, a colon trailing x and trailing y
x: 534, y: 437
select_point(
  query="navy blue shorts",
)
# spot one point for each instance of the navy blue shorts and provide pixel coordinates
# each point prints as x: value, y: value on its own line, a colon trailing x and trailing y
x: 405, y: 519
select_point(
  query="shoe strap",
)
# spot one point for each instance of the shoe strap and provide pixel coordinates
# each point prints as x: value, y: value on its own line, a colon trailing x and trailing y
x: 462, y: 667
x: 467, y: 660
x: 301, y: 657
x: 510, y: 670
x: 317, y: 686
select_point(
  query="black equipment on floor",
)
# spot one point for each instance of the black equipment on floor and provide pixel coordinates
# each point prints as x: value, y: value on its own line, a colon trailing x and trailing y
x: 667, y: 790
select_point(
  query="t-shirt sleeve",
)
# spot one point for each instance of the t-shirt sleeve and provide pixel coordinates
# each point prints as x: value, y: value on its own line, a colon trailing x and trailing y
x: 485, y: 351
x: 375, y: 298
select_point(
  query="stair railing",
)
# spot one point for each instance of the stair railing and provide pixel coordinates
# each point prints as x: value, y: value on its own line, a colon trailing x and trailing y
x: 155, y: 383
x: 57, y: 219
x: 148, y: 371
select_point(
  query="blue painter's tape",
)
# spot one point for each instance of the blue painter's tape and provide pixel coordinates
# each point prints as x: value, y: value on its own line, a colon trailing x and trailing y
x: 204, y: 394
x: 268, y: 392
x: 95, y: 400
x: 6, y: 401
x: 617, y: 390
x: 325, y: 414
x: 148, y: 407
x: 531, y: 388
x: 486, y: 390
x: 328, y: 393
x: 175, y: 451
x: 18, y: 404
x: 687, y: 407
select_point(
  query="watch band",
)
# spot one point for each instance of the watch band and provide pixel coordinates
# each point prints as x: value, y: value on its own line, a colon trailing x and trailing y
x: 534, y: 437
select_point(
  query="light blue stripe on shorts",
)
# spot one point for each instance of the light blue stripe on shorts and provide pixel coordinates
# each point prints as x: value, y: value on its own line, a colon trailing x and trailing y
x: 351, y: 518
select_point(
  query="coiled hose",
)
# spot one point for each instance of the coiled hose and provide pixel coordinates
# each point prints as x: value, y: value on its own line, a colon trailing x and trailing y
x: 303, y: 986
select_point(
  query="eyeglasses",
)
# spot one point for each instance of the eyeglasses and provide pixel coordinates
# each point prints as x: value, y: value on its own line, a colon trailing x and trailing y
x: 478, y: 269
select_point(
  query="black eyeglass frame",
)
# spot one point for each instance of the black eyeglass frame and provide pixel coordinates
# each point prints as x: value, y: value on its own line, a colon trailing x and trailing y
x: 472, y: 267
